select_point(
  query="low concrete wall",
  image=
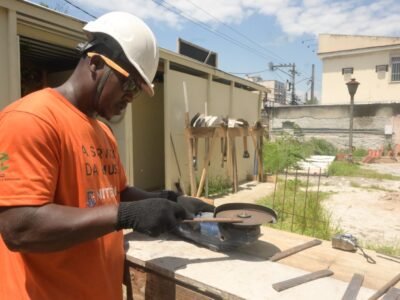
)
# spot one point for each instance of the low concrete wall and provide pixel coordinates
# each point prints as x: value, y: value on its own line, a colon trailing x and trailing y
x: 331, y: 122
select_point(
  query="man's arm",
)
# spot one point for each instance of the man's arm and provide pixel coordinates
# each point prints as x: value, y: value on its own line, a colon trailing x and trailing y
x: 53, y: 227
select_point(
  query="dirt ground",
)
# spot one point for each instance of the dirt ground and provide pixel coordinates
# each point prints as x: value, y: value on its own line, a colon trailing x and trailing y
x: 366, y: 208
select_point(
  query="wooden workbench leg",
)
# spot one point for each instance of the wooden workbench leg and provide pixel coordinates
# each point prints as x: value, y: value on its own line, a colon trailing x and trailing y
x: 190, y: 163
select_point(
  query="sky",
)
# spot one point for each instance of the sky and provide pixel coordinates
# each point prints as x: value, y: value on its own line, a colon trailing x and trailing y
x: 248, y: 35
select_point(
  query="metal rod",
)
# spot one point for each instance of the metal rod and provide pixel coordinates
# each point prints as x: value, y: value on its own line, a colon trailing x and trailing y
x: 273, y: 199
x: 283, y: 200
x: 305, y: 202
x: 294, y: 200
x: 214, y: 220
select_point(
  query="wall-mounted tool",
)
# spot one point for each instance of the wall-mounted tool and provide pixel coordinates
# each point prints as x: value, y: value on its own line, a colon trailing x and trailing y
x: 243, y: 123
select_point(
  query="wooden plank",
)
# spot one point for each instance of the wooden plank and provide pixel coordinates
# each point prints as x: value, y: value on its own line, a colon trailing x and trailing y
x: 287, y: 284
x: 354, y: 287
x: 193, y: 187
x: 295, y: 249
x: 385, y: 288
x: 342, y: 263
x: 392, y: 294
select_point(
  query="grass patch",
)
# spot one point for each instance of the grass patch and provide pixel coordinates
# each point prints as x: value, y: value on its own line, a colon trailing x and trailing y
x: 219, y: 185
x: 299, y: 211
x: 388, y: 249
x: 286, y: 150
x: 370, y: 187
x: 341, y: 168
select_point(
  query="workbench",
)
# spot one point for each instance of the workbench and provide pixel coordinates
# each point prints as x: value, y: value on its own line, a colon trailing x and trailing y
x: 170, y: 268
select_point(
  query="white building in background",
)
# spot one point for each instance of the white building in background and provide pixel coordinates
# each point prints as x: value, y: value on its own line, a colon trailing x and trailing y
x: 278, y: 90
x: 374, y: 61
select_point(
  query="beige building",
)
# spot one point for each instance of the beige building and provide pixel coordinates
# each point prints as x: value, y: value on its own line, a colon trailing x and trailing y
x: 373, y: 61
x: 37, y: 50
x: 278, y: 90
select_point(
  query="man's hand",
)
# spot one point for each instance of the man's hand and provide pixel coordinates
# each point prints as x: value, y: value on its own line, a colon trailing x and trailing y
x: 170, y: 195
x: 193, y: 206
x: 151, y: 216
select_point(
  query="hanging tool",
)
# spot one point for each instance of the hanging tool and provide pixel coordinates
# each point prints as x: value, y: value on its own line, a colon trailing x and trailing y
x: 354, y: 287
x: 295, y: 249
x: 195, y: 122
x: 287, y: 284
x: 244, y: 124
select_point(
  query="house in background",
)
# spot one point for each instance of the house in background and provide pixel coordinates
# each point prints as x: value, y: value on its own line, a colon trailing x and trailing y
x: 38, y: 50
x: 372, y: 60
x: 278, y: 90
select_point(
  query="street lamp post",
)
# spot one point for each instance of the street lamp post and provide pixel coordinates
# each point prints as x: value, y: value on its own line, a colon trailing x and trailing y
x: 352, y: 86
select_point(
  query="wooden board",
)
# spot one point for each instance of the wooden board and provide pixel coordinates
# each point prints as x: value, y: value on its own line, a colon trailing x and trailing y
x: 342, y: 263
x: 232, y: 275
x: 354, y: 287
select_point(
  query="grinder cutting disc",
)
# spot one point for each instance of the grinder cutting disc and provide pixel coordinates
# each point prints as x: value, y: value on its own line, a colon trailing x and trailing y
x: 251, y: 214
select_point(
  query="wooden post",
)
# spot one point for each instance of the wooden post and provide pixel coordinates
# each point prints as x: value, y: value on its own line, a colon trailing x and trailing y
x: 207, y: 158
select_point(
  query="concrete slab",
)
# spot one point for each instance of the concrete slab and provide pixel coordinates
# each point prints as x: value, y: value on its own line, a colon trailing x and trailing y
x: 237, y: 273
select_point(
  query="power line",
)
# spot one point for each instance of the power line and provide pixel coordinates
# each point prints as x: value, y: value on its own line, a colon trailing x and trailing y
x: 203, y: 25
x: 236, y: 31
x: 82, y: 10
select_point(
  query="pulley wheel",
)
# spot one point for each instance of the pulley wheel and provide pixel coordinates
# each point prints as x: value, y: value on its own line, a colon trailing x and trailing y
x: 251, y: 214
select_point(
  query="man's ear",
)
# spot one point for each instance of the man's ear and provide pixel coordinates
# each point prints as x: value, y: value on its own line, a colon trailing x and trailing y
x: 95, y: 63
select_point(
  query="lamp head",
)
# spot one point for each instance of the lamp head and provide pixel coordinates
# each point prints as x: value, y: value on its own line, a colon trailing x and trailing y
x: 352, y: 86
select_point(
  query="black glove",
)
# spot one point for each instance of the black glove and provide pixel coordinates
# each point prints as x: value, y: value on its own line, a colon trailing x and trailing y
x: 150, y: 216
x: 193, y: 206
x: 170, y: 195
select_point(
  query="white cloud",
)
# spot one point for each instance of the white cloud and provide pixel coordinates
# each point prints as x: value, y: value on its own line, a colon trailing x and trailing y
x: 296, y: 17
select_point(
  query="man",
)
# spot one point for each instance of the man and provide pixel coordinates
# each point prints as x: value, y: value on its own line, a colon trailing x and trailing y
x: 63, y: 192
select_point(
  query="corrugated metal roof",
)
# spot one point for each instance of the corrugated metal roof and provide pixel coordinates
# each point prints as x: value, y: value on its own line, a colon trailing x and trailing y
x: 49, y: 56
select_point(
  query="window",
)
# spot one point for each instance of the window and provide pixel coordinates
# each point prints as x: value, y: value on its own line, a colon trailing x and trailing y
x: 347, y: 71
x: 381, y: 68
x: 396, y: 68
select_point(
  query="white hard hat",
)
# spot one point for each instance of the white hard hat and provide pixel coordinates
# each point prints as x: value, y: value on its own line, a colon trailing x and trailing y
x: 136, y: 40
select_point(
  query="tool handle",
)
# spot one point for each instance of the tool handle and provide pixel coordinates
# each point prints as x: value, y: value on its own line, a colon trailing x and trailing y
x: 294, y: 250
x: 287, y: 284
x: 385, y: 288
x: 214, y: 220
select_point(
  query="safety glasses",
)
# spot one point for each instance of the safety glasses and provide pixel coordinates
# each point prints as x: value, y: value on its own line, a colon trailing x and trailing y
x: 129, y: 84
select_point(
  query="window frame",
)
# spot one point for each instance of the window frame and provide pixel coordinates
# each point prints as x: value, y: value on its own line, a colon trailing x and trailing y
x: 395, y: 72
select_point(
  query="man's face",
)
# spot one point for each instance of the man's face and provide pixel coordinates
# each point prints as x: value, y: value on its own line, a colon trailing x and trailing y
x: 119, y: 90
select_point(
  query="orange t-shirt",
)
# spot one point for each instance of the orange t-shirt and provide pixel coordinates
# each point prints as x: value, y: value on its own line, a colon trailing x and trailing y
x: 50, y: 152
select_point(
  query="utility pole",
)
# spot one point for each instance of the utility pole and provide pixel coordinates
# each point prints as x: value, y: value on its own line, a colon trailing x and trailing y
x: 292, y: 74
x: 312, y: 82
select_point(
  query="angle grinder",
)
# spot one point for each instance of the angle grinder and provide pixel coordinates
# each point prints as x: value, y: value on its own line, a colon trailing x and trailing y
x: 230, y: 226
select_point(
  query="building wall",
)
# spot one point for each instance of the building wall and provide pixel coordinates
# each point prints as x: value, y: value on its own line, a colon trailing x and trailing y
x: 374, y: 87
x: 331, y: 122
x: 143, y: 134
x: 339, y: 42
x: 148, y: 140
x: 222, y: 100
